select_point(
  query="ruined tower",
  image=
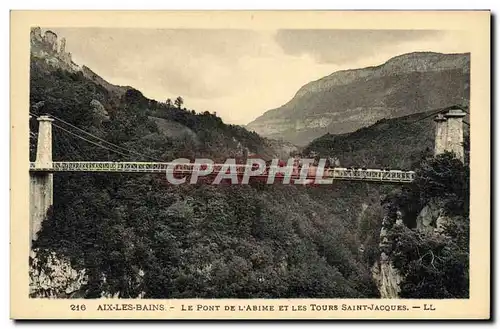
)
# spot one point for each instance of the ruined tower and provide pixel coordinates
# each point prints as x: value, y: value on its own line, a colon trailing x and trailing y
x: 41, y: 183
x: 50, y: 38
x: 62, y: 47
x: 36, y: 34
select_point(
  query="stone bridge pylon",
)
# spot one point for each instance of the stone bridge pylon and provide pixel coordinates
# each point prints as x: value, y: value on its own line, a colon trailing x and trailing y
x: 41, y: 183
x: 450, y: 132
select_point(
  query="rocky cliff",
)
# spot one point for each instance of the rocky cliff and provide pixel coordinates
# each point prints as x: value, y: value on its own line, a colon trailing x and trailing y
x: 348, y: 100
x: 48, y: 47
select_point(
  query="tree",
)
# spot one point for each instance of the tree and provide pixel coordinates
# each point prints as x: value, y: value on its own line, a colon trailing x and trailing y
x: 178, y: 102
x: 446, y: 178
x: 436, y: 265
x: 169, y: 102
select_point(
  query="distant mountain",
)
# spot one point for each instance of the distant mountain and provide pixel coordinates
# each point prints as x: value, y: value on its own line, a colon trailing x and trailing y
x: 348, y: 100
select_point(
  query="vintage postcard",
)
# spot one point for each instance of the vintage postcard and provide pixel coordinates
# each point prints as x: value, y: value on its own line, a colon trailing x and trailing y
x: 250, y: 165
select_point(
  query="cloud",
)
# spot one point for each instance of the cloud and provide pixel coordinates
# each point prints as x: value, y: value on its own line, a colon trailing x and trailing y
x: 342, y: 46
x: 194, y: 63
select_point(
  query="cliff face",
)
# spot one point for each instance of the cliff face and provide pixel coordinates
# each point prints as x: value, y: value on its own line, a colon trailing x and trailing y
x: 48, y: 47
x: 348, y: 100
x: 52, y: 50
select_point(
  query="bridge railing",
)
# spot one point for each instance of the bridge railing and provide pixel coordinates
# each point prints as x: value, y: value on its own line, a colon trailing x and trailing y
x: 371, y: 174
x: 375, y: 175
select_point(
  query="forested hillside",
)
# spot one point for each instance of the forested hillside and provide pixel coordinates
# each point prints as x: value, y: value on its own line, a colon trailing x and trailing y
x: 399, y: 143
x: 135, y: 235
x: 432, y: 261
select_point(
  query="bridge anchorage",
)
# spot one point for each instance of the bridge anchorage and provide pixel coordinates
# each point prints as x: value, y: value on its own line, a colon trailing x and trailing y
x: 449, y: 137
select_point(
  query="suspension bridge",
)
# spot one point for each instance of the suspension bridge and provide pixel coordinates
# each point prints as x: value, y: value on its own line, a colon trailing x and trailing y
x: 448, y: 137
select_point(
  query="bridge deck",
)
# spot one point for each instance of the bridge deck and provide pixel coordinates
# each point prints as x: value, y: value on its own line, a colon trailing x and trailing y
x: 374, y: 175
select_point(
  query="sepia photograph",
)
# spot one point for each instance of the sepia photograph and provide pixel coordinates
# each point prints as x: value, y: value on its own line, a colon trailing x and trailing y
x: 251, y: 163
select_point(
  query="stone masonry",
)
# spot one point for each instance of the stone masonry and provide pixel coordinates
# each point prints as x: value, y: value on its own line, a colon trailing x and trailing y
x: 450, y: 132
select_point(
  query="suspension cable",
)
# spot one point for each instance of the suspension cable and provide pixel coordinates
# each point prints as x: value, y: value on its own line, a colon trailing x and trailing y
x: 96, y: 137
x: 102, y: 140
x: 87, y: 140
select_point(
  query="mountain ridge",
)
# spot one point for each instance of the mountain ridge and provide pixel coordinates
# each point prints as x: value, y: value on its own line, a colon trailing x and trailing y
x: 392, y: 60
x: 351, y: 99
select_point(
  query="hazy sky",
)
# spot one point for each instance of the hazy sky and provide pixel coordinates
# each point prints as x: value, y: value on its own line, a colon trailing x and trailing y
x: 240, y: 74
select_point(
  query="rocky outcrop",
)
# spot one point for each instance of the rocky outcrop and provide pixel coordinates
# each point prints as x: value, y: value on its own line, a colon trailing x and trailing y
x: 432, y: 218
x: 348, y: 100
x: 426, y: 219
x: 50, y: 39
x: 99, y: 111
x: 52, y: 50
x: 36, y: 35
x: 47, y: 47
x: 385, y: 275
x: 53, y: 277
